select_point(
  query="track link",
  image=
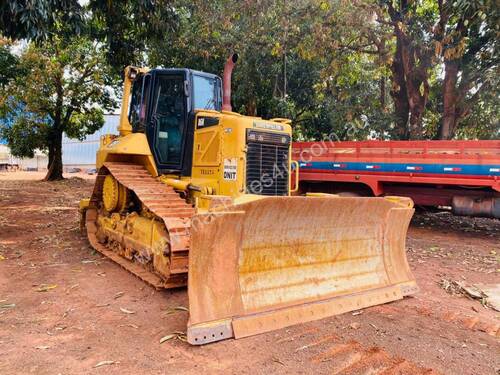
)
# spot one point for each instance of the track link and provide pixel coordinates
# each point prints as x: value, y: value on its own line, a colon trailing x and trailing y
x: 165, y: 203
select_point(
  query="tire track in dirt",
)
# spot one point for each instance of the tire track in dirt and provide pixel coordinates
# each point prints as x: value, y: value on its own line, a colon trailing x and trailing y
x: 352, y: 358
x: 462, y: 319
x: 333, y: 353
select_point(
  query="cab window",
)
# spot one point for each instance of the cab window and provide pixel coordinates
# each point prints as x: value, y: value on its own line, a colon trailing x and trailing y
x: 206, y: 93
x: 169, y: 117
x: 135, y: 102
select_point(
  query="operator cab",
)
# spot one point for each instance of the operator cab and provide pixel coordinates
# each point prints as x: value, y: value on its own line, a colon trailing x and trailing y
x: 162, y: 105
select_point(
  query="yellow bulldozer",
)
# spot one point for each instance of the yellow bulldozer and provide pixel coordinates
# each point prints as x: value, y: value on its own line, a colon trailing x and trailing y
x: 191, y: 193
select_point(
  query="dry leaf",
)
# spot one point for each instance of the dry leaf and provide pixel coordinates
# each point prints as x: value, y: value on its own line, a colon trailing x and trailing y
x: 2, y: 257
x: 103, y: 305
x: 42, y: 347
x: 46, y: 287
x: 167, y: 337
x: 104, y: 363
x: 172, y: 310
x: 126, y: 311
x: 68, y: 310
x: 182, y: 337
x: 354, y: 325
x: 85, y: 261
x: 277, y: 360
x: 7, y: 306
x: 177, y: 334
x: 118, y: 295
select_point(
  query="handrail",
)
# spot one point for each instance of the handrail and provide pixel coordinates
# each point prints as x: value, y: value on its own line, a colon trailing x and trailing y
x: 296, y: 188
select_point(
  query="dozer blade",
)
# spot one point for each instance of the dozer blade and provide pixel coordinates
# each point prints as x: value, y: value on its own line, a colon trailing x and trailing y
x: 280, y: 261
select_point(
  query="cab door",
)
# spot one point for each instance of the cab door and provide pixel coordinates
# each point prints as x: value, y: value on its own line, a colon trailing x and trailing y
x: 166, y: 133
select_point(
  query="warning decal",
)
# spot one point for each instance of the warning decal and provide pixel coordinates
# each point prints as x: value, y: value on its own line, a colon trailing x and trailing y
x: 230, y: 168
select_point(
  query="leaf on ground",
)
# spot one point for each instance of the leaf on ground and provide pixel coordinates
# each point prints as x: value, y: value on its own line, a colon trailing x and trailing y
x: 172, y: 310
x: 177, y: 334
x: 104, y: 363
x: 473, y: 291
x: 167, y: 337
x: 2, y: 257
x: 42, y: 347
x: 355, y: 325
x: 86, y: 261
x: 7, y: 306
x: 277, y: 360
x: 491, y: 295
x: 68, y: 310
x: 182, y: 337
x: 129, y: 325
x: 118, y: 295
x: 126, y: 311
x: 103, y: 305
x: 46, y: 287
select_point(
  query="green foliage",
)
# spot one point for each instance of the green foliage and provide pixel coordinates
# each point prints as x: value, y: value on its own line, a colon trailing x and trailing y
x: 483, y: 122
x: 128, y: 27
x: 38, y: 19
x: 66, y: 88
x: 8, y: 65
x: 24, y: 133
x: 329, y: 65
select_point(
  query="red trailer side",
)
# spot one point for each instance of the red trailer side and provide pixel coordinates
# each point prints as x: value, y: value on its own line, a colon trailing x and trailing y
x: 461, y: 174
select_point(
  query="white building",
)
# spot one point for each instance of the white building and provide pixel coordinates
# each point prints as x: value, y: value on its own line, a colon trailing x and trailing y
x: 75, y: 153
x: 38, y: 162
x: 81, y: 154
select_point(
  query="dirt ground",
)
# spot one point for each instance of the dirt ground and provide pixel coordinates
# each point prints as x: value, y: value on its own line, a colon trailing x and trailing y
x: 66, y: 310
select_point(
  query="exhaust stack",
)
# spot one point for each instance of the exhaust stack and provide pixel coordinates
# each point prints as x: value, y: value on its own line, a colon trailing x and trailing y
x: 226, y: 82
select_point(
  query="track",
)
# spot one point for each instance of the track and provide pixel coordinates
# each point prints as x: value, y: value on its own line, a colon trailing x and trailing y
x: 161, y: 200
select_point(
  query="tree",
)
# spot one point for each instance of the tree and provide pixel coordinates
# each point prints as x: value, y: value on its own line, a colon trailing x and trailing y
x: 466, y: 38
x: 38, y: 19
x: 366, y: 68
x: 66, y: 88
x: 129, y: 27
x: 8, y: 64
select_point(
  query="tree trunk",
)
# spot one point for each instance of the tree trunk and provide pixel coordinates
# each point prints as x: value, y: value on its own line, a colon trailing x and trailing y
x: 382, y: 93
x: 410, y: 76
x: 55, y: 168
x: 251, y: 107
x: 450, y: 101
x: 417, y: 87
x: 399, y: 94
x: 416, y: 119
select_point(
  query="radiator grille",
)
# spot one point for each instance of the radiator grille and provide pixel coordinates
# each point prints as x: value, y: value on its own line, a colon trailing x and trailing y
x: 267, y: 168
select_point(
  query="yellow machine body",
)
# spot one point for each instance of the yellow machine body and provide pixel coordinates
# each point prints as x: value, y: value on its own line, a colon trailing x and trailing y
x: 219, y: 153
x: 255, y: 262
